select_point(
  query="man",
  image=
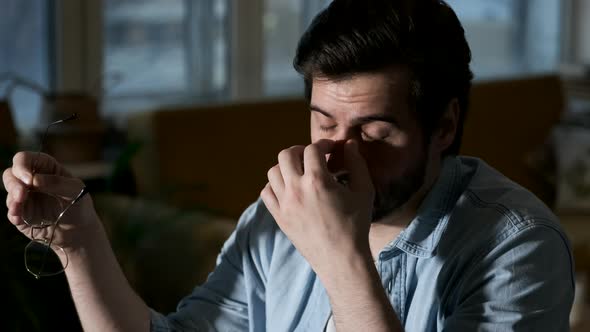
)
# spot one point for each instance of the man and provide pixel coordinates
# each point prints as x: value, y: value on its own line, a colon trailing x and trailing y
x: 376, y: 226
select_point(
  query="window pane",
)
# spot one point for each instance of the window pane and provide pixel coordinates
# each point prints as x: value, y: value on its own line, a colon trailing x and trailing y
x: 23, y: 52
x: 509, y: 37
x: 284, y: 23
x: 164, y: 51
x: 144, y: 46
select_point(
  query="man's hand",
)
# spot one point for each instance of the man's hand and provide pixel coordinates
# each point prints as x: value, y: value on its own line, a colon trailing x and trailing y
x: 329, y: 223
x: 103, y: 298
x: 52, y: 179
x: 323, y: 218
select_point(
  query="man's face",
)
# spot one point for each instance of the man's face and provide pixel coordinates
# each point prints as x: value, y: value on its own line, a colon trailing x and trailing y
x: 374, y: 109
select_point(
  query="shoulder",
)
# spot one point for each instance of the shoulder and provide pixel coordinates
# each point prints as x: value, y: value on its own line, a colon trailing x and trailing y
x: 508, y: 246
x: 492, y: 212
x: 489, y: 197
x: 256, y: 225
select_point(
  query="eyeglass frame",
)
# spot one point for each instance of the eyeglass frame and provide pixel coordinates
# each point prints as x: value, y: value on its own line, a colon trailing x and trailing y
x: 48, y: 243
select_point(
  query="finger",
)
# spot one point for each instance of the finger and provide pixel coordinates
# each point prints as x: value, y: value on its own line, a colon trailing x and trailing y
x: 10, y: 204
x: 15, y: 220
x: 21, y: 168
x: 14, y: 186
x: 270, y: 200
x: 14, y: 209
x: 276, y: 182
x: 314, y: 157
x: 6, y: 176
x: 57, y: 185
x: 291, y: 162
x: 24, y: 163
x: 354, y: 162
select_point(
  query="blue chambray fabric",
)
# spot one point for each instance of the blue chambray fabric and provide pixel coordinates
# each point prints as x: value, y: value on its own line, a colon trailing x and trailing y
x: 482, y: 254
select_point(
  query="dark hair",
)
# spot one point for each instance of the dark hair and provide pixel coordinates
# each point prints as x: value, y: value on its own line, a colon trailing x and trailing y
x: 352, y: 36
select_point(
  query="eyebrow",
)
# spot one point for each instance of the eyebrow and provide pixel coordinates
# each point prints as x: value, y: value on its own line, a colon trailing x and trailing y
x: 359, y: 120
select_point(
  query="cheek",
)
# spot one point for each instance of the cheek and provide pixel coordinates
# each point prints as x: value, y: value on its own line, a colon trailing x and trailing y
x: 386, y: 162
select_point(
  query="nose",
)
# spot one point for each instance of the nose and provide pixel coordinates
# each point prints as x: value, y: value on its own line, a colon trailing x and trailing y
x: 335, y: 159
x: 344, y: 134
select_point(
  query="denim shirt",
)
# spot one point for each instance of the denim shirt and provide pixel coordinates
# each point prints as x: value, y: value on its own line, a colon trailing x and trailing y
x: 482, y: 254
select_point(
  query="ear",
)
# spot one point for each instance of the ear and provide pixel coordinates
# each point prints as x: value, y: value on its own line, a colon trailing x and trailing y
x: 444, y: 136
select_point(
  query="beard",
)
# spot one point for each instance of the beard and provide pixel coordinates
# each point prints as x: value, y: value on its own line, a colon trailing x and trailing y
x: 394, y: 194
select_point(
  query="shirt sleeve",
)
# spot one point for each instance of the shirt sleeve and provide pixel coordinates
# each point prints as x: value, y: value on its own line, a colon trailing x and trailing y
x: 525, y: 283
x: 222, y: 302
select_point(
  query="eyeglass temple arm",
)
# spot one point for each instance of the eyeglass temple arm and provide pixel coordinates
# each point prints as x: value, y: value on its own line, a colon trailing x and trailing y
x: 69, y: 118
x: 82, y: 193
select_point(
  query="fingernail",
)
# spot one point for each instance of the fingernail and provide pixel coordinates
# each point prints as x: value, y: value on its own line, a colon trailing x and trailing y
x: 26, y: 178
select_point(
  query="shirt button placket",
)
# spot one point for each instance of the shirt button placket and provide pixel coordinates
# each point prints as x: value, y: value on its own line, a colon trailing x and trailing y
x: 390, y: 276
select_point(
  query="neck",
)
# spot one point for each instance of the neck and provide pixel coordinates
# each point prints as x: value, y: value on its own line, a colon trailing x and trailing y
x: 387, y: 229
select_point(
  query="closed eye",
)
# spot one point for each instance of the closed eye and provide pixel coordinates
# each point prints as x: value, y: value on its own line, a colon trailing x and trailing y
x: 378, y: 130
x: 367, y: 137
x: 327, y: 128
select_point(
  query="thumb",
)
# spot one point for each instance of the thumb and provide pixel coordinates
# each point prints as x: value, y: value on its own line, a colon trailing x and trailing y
x: 355, y: 163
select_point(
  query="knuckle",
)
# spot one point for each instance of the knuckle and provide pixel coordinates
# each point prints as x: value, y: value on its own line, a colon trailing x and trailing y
x: 9, y: 180
x: 17, y: 157
x: 296, y: 148
x: 20, y: 158
x: 6, y: 175
x: 285, y: 154
x: 272, y: 171
x: 312, y: 148
x: 265, y: 192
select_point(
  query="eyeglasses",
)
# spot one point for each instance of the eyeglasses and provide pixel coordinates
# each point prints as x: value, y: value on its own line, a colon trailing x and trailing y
x: 42, y: 211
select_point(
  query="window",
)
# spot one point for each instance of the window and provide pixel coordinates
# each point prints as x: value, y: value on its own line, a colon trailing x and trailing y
x: 511, y: 37
x: 174, y: 51
x: 24, y: 53
x: 169, y: 50
x: 283, y: 24
x: 144, y: 47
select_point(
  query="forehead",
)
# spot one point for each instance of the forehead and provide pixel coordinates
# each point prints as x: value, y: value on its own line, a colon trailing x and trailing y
x: 362, y: 93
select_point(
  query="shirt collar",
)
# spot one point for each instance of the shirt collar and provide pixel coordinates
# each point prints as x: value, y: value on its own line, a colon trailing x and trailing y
x: 423, y: 234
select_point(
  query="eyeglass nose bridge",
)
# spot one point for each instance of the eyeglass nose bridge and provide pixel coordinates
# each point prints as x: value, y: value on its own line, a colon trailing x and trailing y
x: 42, y: 225
x: 39, y: 228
